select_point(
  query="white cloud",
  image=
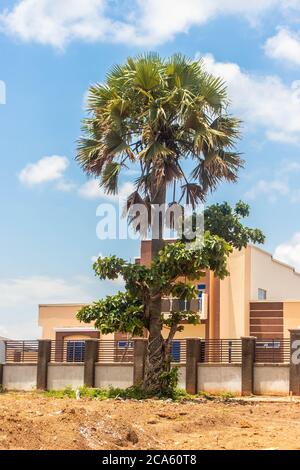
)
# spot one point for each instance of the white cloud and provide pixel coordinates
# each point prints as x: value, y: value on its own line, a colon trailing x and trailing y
x: 92, y: 190
x: 289, y: 252
x: 19, y: 299
x: 40, y: 289
x: 272, y: 189
x: 141, y: 22
x: 261, y: 101
x: 279, y: 185
x: 46, y: 169
x: 65, y: 186
x: 285, y: 45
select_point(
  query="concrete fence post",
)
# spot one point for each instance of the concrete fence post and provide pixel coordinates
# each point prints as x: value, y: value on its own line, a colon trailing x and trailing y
x: 140, y: 350
x: 90, y: 359
x: 248, y: 360
x: 295, y: 362
x: 193, y: 350
x: 44, y: 356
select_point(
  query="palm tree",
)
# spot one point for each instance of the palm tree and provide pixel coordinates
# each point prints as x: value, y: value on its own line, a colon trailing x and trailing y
x: 159, y: 114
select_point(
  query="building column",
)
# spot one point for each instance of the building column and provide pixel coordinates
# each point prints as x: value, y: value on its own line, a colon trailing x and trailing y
x: 90, y: 359
x: 295, y: 362
x: 44, y: 356
x: 248, y: 360
x: 193, y: 349
x: 140, y: 350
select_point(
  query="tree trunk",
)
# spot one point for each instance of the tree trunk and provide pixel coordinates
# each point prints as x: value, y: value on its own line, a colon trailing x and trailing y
x: 155, y: 363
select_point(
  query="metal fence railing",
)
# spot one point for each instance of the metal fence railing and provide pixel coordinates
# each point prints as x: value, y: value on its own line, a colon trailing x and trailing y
x: 21, y: 352
x: 222, y: 351
x: 272, y: 351
x: 116, y: 351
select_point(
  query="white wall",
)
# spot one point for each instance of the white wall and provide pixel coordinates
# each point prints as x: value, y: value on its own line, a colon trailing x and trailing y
x: 279, y: 280
x: 181, y: 376
x: 61, y: 376
x: 19, y: 377
x: 2, y: 352
x: 271, y: 379
x: 220, y: 378
x: 114, y: 375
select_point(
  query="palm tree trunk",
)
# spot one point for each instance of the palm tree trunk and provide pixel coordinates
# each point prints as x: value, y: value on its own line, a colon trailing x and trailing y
x: 155, y: 363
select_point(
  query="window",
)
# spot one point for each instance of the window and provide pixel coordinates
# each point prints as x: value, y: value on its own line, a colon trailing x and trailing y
x: 262, y: 294
x: 176, y: 351
x: 75, y: 351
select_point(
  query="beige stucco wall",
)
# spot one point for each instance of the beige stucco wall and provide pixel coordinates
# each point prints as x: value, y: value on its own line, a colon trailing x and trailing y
x: 64, y: 375
x: 220, y: 378
x: 280, y: 281
x: 291, y: 316
x: 271, y: 379
x: 52, y: 317
x: 19, y: 376
x: 190, y: 331
x: 60, y: 317
x: 235, y: 296
x: 114, y: 375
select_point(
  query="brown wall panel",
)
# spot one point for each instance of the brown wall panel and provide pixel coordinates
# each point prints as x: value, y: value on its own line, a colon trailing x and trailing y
x: 264, y: 314
x: 269, y: 336
x: 266, y: 306
x: 266, y: 329
x: 266, y: 321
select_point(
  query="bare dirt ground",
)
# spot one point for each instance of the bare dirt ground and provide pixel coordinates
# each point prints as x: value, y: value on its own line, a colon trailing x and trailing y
x: 34, y: 421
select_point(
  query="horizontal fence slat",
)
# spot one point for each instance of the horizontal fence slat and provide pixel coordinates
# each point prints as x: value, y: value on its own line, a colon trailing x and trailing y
x: 222, y: 351
x: 21, y: 352
x: 272, y: 351
x: 116, y: 351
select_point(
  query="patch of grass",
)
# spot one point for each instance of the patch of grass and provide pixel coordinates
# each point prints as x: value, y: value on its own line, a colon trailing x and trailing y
x: 67, y: 392
x: 2, y: 389
x: 227, y: 396
x: 132, y: 393
x: 222, y: 396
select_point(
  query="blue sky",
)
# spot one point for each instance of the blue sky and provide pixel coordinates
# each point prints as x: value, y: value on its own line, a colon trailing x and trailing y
x: 51, y: 51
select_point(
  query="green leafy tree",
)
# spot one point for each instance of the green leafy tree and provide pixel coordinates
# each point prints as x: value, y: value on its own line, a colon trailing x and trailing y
x: 227, y: 222
x: 130, y: 311
x: 160, y: 114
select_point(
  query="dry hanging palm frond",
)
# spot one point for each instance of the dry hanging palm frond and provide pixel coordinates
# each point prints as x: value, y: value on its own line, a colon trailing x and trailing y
x: 194, y: 194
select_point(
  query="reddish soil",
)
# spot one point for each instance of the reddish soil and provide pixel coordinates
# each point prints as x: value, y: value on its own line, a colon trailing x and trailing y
x: 34, y: 421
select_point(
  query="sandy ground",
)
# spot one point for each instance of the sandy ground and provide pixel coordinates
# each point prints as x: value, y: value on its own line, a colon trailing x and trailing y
x: 33, y: 421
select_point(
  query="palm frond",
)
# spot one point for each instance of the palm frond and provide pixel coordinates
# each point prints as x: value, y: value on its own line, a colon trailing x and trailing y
x: 110, y: 177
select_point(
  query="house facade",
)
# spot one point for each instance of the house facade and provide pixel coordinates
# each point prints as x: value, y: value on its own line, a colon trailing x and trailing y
x: 261, y: 297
